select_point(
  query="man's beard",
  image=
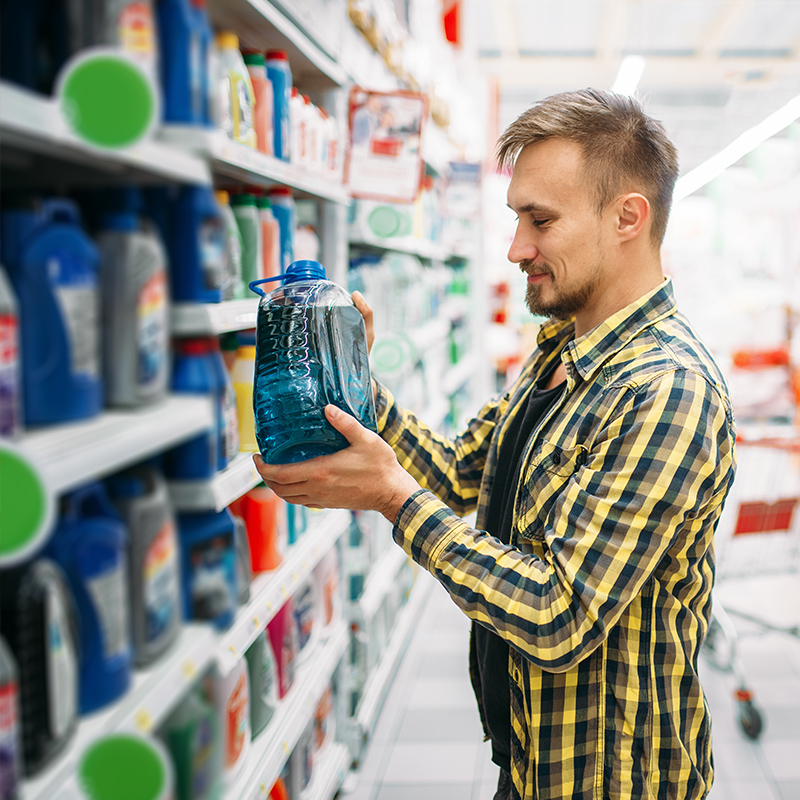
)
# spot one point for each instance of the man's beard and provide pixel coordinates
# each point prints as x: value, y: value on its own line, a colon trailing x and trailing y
x: 563, y: 306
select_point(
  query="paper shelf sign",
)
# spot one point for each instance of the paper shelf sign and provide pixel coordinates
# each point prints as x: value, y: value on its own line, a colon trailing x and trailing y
x: 384, y: 159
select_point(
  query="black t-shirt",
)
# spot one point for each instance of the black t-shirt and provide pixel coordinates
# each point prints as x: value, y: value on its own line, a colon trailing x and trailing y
x: 490, y: 651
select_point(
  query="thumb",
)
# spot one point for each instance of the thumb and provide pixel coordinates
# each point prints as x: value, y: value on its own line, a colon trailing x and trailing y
x: 345, y: 423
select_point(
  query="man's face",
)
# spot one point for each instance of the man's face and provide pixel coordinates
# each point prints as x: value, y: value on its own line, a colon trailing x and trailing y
x: 558, y: 243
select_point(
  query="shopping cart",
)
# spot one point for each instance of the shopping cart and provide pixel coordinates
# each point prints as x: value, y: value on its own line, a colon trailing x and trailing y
x: 758, y: 555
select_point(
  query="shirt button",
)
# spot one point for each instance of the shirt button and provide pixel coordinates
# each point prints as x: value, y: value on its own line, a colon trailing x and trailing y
x: 556, y: 458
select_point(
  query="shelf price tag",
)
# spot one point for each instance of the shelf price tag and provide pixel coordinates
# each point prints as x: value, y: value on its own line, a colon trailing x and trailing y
x: 189, y: 669
x: 285, y: 746
x: 143, y: 720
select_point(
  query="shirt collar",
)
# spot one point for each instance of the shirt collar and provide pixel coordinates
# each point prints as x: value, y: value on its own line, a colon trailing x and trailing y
x: 588, y: 353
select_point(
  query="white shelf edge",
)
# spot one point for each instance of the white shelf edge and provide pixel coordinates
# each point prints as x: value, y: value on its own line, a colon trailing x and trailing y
x: 400, y: 244
x: 71, y: 454
x: 238, y: 478
x: 269, y: 590
x: 378, y: 682
x: 156, y: 690
x: 270, y: 749
x: 329, y: 773
x: 380, y: 581
x: 209, y: 319
x: 32, y: 121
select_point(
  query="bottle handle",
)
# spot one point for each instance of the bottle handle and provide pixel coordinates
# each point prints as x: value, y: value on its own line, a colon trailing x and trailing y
x: 255, y: 284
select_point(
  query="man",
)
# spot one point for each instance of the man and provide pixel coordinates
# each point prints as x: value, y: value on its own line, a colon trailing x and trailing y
x: 598, y: 479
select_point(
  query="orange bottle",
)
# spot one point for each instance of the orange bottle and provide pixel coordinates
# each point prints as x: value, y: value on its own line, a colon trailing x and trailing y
x: 270, y: 238
x: 264, y: 515
x: 262, y: 88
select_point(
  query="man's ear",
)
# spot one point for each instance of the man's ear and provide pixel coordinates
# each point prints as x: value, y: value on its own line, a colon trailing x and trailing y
x: 632, y: 216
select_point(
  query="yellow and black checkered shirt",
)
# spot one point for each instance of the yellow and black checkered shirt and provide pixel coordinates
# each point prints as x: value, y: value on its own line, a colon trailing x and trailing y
x: 605, y: 592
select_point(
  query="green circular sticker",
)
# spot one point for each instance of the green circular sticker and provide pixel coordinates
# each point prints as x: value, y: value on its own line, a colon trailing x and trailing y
x: 124, y: 766
x: 107, y: 99
x: 26, y: 506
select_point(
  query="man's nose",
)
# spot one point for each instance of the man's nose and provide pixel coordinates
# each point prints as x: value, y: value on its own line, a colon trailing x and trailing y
x: 522, y: 248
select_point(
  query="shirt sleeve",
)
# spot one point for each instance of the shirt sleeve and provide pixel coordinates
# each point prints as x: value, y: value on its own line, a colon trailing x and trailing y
x: 451, y: 469
x: 657, y: 473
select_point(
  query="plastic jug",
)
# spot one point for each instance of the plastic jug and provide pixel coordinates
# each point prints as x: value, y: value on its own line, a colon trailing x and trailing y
x: 197, y: 247
x: 141, y: 496
x: 133, y: 279
x: 10, y: 367
x: 270, y: 238
x: 192, y: 734
x: 283, y: 637
x: 39, y: 623
x: 244, y: 568
x: 310, y: 351
x: 262, y: 87
x: 262, y: 670
x: 90, y: 543
x: 236, y: 288
x: 246, y: 213
x: 242, y: 375
x: 53, y: 266
x: 208, y: 61
x: 280, y: 76
x: 233, y: 708
x: 183, y: 62
x: 237, y: 91
x: 208, y: 566
x: 283, y: 209
x: 307, y: 611
x: 10, y: 733
x: 264, y: 515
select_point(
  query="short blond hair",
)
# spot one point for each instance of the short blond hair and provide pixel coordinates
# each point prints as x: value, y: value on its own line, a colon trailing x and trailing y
x: 623, y: 148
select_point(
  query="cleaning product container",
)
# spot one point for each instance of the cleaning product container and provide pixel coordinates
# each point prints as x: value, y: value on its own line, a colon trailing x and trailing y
x: 133, y: 279
x: 233, y: 709
x: 91, y: 543
x: 283, y: 637
x: 262, y: 88
x: 242, y: 375
x: 141, y: 496
x: 38, y: 620
x: 270, y: 238
x: 284, y: 211
x: 280, y: 76
x: 264, y: 515
x: 262, y: 670
x: 311, y: 350
x: 10, y: 734
x: 236, y: 287
x: 244, y: 568
x: 246, y: 212
x: 10, y: 367
x: 53, y: 266
x: 239, y: 123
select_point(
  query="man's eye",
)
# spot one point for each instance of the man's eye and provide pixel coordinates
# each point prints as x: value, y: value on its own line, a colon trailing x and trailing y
x: 539, y: 222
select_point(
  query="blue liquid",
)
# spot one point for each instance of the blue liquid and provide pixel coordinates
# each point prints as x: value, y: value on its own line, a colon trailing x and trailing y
x: 306, y: 358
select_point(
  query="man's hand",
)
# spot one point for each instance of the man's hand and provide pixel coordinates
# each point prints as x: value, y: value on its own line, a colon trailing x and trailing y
x: 364, y: 476
x: 366, y: 312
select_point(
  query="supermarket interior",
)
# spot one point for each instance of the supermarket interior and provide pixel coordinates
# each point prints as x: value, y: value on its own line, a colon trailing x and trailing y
x: 191, y: 192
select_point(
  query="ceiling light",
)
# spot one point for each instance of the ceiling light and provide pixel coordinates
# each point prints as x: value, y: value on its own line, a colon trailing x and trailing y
x: 738, y: 148
x: 630, y: 72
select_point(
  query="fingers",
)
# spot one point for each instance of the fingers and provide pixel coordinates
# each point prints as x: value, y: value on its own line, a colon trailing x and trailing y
x: 366, y: 312
x: 346, y: 424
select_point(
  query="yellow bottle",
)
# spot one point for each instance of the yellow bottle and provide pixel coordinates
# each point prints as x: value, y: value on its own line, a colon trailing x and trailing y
x: 242, y: 376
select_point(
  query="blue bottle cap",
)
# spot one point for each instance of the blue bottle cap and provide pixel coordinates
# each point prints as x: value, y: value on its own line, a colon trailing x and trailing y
x: 304, y: 270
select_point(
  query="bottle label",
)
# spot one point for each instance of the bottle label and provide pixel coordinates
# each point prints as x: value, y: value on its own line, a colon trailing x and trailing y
x: 152, y: 329
x: 79, y: 306
x: 9, y: 740
x: 237, y: 711
x: 62, y: 668
x: 212, y: 253
x: 203, y: 767
x: 160, y: 590
x: 110, y: 596
x: 135, y: 30
x: 196, y: 76
x: 224, y: 110
x: 230, y: 423
x: 213, y: 578
x: 245, y: 109
x: 9, y: 375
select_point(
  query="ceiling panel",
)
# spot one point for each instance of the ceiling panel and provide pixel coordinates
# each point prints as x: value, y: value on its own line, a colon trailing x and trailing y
x: 568, y: 27
x: 670, y: 26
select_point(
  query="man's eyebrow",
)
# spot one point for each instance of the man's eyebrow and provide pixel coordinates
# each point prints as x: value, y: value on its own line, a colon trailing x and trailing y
x: 534, y: 208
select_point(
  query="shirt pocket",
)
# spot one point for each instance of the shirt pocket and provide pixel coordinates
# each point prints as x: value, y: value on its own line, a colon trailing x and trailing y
x: 551, y: 467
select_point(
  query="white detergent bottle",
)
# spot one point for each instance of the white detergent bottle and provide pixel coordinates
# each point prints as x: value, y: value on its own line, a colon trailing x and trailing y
x: 238, y: 91
x: 133, y: 282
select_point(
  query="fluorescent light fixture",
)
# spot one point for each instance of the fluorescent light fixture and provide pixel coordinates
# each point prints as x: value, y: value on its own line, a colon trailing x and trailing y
x: 630, y: 72
x: 738, y: 148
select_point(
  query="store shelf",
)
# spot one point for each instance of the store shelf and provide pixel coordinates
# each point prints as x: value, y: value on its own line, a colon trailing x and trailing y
x: 39, y: 150
x: 430, y: 333
x: 378, y: 683
x: 69, y: 455
x: 262, y: 26
x: 423, y: 248
x: 241, y: 163
x: 271, y: 748
x: 329, y: 773
x: 211, y: 319
x: 380, y: 582
x: 458, y: 375
x: 238, y: 478
x: 155, y: 692
x: 269, y: 590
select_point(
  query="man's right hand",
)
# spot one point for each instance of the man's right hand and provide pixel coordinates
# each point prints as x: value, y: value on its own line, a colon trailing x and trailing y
x: 366, y: 312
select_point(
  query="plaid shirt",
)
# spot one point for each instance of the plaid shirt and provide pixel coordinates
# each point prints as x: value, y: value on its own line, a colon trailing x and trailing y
x: 605, y: 591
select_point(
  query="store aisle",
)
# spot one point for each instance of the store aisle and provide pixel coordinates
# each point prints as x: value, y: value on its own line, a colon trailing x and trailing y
x: 428, y: 744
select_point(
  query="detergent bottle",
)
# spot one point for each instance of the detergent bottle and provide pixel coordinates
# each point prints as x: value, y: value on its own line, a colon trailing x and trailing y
x: 53, y: 266
x: 310, y: 351
x: 270, y: 238
x: 262, y: 87
x: 133, y: 278
x: 10, y: 370
x: 236, y: 287
x: 280, y: 75
x: 242, y: 375
x: 284, y: 211
x: 238, y: 90
x: 246, y: 212
x: 10, y: 738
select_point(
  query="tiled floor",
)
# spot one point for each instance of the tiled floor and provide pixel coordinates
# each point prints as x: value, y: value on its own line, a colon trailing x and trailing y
x: 428, y: 744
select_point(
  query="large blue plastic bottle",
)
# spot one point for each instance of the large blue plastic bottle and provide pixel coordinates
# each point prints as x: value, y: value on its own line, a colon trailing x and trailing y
x: 208, y: 566
x: 54, y: 267
x: 90, y: 543
x: 311, y: 350
x: 280, y: 76
x: 183, y: 63
x: 197, y: 247
x: 283, y: 209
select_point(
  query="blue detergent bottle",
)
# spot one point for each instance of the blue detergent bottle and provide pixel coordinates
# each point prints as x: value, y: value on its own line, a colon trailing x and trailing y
x: 182, y: 63
x: 90, y: 543
x: 280, y: 76
x: 284, y: 211
x: 208, y: 566
x: 197, y: 247
x: 311, y: 350
x: 54, y: 268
